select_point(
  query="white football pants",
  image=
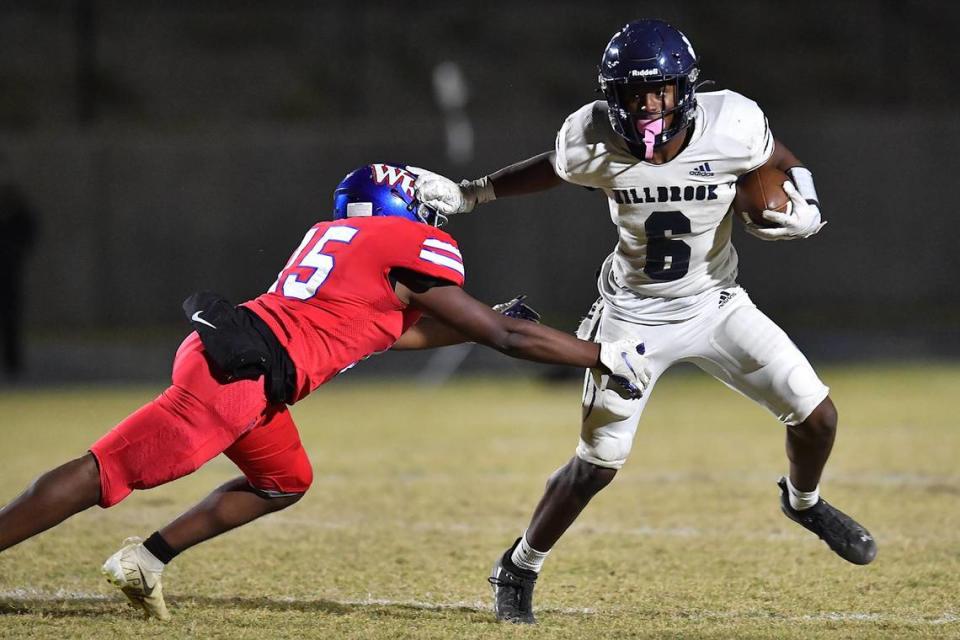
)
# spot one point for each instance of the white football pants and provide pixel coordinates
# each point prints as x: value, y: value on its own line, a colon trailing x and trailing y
x: 729, y: 338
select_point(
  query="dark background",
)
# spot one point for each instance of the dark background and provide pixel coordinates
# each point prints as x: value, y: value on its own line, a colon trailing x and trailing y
x: 173, y: 146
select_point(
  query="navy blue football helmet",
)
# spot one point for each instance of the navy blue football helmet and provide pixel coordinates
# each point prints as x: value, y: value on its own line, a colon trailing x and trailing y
x: 382, y: 190
x: 644, y: 54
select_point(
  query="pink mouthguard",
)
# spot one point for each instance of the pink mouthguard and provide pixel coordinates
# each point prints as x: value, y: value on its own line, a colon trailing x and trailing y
x: 650, y: 130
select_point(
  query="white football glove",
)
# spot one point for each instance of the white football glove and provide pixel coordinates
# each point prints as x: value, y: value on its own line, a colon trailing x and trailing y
x: 627, y: 367
x: 448, y: 197
x: 801, y: 220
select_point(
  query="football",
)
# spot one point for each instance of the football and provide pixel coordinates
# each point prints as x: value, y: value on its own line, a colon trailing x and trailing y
x: 760, y: 189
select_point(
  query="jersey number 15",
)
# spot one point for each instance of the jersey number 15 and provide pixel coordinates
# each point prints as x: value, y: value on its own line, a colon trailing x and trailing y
x: 309, y: 266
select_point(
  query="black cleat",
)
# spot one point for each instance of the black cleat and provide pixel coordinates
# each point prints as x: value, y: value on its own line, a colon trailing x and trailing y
x: 842, y: 533
x: 512, y: 590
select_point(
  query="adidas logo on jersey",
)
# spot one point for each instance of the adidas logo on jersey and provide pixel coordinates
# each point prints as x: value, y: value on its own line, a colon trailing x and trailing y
x: 725, y: 297
x: 703, y: 170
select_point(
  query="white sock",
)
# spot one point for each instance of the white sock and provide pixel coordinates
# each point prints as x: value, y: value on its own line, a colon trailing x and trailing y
x: 526, y: 557
x: 148, y: 560
x: 801, y: 500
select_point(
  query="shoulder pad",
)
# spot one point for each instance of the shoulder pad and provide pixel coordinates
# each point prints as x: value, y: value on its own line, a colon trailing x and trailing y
x: 582, y: 144
x: 740, y: 128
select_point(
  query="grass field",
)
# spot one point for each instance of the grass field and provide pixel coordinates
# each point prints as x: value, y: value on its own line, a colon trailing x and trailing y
x: 417, y: 490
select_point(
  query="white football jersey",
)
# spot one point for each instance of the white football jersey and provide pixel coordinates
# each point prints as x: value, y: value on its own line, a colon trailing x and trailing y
x: 673, y: 219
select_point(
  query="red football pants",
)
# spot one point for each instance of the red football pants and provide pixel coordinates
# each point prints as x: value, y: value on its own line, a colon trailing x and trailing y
x: 191, y: 422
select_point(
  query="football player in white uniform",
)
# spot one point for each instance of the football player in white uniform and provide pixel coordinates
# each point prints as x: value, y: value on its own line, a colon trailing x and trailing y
x: 668, y: 158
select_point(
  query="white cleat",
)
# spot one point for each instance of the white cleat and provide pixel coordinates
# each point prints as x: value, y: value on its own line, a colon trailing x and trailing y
x: 127, y: 570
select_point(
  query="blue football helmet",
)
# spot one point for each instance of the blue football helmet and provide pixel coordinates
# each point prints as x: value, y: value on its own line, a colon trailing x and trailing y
x: 644, y: 54
x: 382, y: 190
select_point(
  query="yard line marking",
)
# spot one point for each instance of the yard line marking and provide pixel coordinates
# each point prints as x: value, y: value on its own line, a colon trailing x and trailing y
x: 31, y: 595
x: 26, y: 596
x: 440, y: 606
x: 831, y: 616
x: 37, y: 595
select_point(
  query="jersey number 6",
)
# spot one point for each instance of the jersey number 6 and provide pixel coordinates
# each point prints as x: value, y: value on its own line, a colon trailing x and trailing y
x: 309, y: 266
x: 667, y: 257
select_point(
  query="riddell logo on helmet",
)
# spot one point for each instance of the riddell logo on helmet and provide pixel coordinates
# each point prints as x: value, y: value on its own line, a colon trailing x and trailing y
x: 643, y: 73
x: 385, y: 174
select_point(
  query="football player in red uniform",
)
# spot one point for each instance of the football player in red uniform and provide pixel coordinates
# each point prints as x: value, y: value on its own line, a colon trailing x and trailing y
x: 357, y: 285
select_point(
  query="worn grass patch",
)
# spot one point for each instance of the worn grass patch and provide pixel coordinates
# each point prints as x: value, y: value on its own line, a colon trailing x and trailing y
x: 417, y: 490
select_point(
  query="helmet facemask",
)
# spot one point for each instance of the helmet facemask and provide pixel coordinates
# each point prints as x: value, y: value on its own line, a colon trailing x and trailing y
x: 645, y: 131
x: 427, y: 215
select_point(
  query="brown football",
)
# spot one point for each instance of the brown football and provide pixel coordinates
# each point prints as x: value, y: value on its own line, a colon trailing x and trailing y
x: 760, y: 189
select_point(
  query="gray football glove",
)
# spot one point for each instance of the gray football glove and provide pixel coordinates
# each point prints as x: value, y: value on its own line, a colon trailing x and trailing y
x: 448, y: 197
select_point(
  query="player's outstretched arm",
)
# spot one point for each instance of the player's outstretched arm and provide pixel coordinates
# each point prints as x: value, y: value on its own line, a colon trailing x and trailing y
x: 525, y: 338
x: 449, y: 198
x: 527, y: 176
x: 474, y: 321
x: 477, y: 322
x: 429, y: 334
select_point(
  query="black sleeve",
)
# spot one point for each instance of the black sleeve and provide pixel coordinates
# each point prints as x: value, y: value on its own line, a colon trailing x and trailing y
x: 415, y: 281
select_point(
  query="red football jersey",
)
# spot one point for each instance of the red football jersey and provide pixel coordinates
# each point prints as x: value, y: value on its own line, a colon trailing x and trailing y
x: 333, y: 305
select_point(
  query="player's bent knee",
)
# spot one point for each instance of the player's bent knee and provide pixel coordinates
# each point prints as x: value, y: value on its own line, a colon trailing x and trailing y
x: 588, y: 478
x: 605, y: 438
x: 800, y: 391
x: 608, y: 453
x: 822, y: 421
x: 277, y: 501
x: 288, y: 501
x: 580, y: 478
x: 300, y: 476
x: 829, y: 414
x: 605, y: 441
x: 304, y: 476
x: 293, y: 483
